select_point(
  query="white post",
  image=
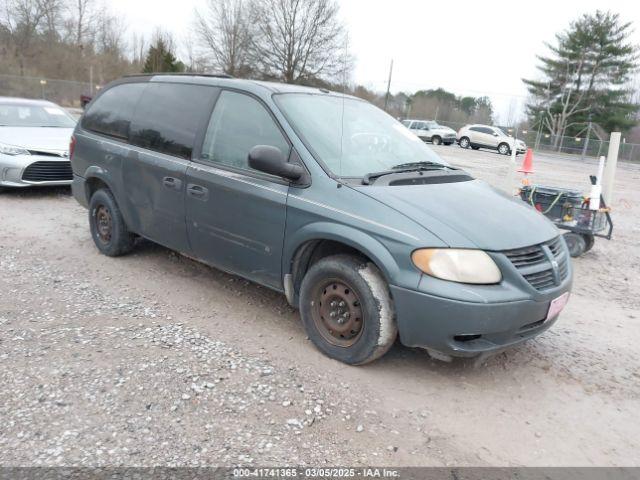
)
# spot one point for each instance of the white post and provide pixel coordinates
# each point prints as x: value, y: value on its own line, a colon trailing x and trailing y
x: 511, y: 172
x: 610, y: 168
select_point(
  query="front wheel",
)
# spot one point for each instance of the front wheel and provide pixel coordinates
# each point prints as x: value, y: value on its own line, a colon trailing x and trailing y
x: 436, y: 140
x: 464, y: 142
x: 347, y: 310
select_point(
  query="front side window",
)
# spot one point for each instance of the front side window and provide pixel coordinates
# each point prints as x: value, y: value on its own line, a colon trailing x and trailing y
x: 26, y: 115
x: 239, y: 123
x: 169, y: 116
x: 111, y: 113
x: 352, y: 137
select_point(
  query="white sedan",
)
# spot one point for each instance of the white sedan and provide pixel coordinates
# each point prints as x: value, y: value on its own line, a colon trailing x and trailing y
x: 34, y: 143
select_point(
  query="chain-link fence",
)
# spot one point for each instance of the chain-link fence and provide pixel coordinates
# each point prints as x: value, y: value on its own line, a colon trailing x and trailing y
x: 63, y: 92
x: 575, y: 146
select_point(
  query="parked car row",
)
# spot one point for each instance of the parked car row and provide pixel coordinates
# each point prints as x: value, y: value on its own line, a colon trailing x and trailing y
x: 469, y: 136
x: 34, y: 143
x: 317, y: 195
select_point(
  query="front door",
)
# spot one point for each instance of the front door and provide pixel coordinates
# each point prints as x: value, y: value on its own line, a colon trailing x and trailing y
x: 235, y: 215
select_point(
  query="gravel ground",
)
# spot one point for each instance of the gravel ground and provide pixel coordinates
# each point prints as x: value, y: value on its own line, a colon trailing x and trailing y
x: 153, y: 359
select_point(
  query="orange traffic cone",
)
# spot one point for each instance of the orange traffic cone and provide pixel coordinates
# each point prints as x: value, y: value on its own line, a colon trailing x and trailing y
x: 527, y: 164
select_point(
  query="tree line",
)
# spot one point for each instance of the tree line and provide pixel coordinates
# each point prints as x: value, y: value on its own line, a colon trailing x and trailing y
x: 586, y: 77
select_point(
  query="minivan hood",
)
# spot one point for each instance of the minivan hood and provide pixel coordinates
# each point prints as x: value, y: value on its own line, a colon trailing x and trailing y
x: 468, y: 214
x: 47, y: 139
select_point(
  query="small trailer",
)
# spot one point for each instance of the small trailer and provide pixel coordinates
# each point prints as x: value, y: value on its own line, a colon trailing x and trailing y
x: 570, y: 210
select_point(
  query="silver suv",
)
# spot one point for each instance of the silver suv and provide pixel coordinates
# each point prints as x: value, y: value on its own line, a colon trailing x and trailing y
x: 431, y: 131
x: 485, y: 136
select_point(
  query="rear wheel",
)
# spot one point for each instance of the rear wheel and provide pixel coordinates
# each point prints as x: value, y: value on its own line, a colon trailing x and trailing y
x: 346, y: 309
x: 436, y: 140
x: 504, y: 149
x: 576, y: 243
x: 464, y: 142
x: 108, y: 229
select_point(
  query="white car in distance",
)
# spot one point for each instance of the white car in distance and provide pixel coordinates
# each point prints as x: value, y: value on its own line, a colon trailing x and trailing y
x: 431, y: 131
x: 486, y: 136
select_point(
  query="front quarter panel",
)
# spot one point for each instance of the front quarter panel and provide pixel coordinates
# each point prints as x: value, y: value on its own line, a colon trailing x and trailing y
x: 328, y: 212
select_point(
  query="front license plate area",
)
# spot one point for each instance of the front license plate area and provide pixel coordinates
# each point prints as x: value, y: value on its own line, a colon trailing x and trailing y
x: 557, y: 306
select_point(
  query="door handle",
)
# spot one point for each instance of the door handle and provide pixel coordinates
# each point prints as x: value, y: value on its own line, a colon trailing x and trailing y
x: 171, y: 182
x: 197, y: 191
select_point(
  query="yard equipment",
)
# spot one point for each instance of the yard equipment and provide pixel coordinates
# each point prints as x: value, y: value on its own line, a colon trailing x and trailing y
x: 571, y: 211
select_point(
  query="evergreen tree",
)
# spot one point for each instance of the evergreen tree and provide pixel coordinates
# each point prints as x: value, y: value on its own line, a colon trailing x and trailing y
x: 160, y: 57
x: 587, y: 75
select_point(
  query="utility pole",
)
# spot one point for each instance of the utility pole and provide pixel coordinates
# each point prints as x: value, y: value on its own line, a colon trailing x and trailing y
x: 386, y: 98
x: 91, y: 81
x: 586, y: 141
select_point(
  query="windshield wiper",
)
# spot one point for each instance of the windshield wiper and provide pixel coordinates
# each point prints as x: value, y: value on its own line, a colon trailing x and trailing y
x: 406, y: 168
x: 422, y: 164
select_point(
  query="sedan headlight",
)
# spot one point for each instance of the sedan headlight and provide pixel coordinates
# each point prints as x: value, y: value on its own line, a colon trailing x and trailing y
x: 464, y: 266
x: 13, y: 150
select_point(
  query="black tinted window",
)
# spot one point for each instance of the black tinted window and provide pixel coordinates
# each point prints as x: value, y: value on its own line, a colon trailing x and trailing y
x: 111, y: 113
x: 168, y: 116
x: 239, y: 123
x: 476, y: 129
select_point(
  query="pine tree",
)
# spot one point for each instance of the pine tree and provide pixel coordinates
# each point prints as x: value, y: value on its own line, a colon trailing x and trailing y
x: 586, y: 76
x: 160, y: 57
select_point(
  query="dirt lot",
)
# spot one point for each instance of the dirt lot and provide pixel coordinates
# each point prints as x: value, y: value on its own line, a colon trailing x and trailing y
x: 153, y: 359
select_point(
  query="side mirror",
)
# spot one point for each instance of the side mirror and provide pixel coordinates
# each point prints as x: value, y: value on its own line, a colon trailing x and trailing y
x: 271, y: 160
x: 495, y: 134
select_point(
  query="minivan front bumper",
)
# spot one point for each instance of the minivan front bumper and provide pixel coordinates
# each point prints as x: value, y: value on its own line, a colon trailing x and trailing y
x: 466, y: 329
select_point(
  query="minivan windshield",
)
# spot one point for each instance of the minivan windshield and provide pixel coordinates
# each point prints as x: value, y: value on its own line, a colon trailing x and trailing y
x: 352, y: 137
x: 26, y: 115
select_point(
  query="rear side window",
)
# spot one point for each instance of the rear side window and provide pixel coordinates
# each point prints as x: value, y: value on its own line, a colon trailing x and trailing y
x: 111, y: 113
x: 168, y: 117
x: 476, y: 129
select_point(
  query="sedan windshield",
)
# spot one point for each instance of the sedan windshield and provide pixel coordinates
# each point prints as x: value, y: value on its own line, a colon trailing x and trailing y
x: 352, y: 137
x: 25, y: 115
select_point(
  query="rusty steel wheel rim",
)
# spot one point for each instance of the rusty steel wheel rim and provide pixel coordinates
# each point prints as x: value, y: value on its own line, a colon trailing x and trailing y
x: 337, y: 313
x: 104, y: 224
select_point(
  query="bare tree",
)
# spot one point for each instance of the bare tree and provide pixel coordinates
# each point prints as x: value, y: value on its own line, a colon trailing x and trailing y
x: 22, y: 19
x: 298, y: 40
x: 223, y: 32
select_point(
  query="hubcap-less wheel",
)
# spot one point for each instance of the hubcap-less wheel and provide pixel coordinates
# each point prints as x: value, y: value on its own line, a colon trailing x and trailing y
x: 337, y: 313
x: 104, y: 223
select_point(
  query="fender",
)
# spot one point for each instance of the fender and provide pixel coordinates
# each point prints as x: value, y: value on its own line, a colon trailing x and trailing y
x: 353, y: 237
x: 99, y: 173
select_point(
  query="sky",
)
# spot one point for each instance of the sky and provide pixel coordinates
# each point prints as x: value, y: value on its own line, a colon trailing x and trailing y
x: 467, y: 47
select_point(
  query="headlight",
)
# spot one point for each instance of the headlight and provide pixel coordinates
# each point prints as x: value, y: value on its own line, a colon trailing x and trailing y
x: 464, y: 266
x: 12, y: 150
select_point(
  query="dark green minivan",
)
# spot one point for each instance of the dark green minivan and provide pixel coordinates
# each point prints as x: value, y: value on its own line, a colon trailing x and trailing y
x: 327, y: 199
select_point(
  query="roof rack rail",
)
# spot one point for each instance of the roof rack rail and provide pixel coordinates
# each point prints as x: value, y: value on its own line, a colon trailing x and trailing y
x: 185, y: 74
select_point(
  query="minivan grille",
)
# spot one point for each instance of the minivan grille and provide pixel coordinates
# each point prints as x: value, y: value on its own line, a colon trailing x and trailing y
x: 544, y: 266
x: 48, y: 171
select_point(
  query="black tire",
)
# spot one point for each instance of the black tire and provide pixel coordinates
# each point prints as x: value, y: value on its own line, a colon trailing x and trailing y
x: 436, y: 140
x: 504, y: 149
x: 475, y: 148
x: 465, y: 142
x: 589, y: 240
x: 357, y: 287
x: 576, y: 243
x: 108, y: 229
